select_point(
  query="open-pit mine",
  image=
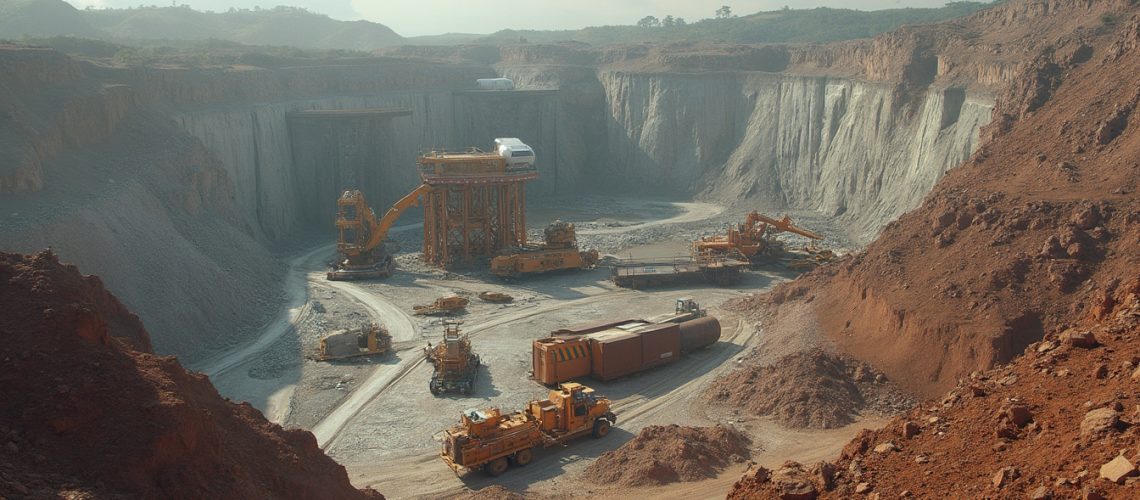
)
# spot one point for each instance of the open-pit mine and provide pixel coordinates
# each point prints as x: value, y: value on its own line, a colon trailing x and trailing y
x: 898, y: 266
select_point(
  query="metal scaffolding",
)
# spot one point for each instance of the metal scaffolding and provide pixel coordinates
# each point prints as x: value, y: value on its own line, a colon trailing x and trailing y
x: 476, y: 206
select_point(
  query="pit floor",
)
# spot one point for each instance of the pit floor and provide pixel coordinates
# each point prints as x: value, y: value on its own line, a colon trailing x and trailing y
x: 376, y: 416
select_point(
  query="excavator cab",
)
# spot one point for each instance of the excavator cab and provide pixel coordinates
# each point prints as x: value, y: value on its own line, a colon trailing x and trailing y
x: 687, y: 305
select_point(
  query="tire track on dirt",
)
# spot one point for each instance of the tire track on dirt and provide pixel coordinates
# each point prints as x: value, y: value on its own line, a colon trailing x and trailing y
x: 329, y: 429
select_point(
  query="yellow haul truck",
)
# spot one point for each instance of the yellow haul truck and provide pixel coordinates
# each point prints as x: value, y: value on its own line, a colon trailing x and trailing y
x: 492, y: 441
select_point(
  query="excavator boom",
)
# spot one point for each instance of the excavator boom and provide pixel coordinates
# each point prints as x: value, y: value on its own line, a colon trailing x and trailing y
x: 362, y: 235
x: 784, y: 224
x: 379, y: 231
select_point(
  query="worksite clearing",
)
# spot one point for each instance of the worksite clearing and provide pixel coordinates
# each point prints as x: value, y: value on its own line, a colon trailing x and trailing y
x: 376, y: 415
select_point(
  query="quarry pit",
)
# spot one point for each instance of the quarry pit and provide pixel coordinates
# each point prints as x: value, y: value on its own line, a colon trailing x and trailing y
x: 969, y: 242
x: 641, y: 163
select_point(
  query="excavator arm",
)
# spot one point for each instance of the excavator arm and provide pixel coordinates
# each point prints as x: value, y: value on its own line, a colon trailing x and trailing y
x: 784, y: 224
x: 379, y: 230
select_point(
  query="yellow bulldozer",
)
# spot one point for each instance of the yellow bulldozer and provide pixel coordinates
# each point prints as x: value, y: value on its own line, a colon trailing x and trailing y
x: 559, y: 251
x: 489, y: 440
x: 368, y: 340
x: 361, y: 235
x: 442, y: 306
x: 755, y: 239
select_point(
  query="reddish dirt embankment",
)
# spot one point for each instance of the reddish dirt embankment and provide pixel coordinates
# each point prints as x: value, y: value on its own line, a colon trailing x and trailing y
x: 1059, y: 422
x: 663, y: 454
x: 1007, y: 245
x: 82, y: 413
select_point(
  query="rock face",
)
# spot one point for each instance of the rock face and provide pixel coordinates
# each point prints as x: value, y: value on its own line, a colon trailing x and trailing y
x: 837, y: 146
x: 117, y: 188
x: 83, y: 412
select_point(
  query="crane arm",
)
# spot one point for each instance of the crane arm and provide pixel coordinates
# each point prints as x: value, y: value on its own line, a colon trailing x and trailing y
x: 379, y: 230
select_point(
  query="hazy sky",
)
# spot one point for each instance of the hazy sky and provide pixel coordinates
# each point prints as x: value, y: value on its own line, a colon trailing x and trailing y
x: 432, y: 17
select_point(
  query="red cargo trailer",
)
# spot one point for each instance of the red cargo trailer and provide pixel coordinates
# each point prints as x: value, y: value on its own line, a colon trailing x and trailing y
x: 660, y: 344
x: 625, y: 347
x: 615, y: 353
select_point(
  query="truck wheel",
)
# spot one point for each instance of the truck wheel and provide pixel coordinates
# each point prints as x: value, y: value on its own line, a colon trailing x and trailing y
x: 601, y: 428
x: 523, y: 457
x: 496, y: 467
x: 433, y: 388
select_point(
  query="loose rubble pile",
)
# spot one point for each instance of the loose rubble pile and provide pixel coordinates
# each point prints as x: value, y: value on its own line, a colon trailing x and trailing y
x: 1058, y: 422
x: 108, y: 420
x: 810, y: 389
x: 494, y: 492
x: 668, y: 454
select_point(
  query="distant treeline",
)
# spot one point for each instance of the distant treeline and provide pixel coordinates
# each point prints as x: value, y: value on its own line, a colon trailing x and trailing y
x: 818, y: 25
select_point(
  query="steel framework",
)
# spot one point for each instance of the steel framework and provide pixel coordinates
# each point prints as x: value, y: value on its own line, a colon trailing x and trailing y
x: 476, y: 206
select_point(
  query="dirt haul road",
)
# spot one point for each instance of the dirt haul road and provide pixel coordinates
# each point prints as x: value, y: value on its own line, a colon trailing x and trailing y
x: 306, y: 275
x: 690, y: 212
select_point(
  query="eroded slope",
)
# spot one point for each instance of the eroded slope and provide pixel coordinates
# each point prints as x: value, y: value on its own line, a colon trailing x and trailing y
x: 1006, y: 246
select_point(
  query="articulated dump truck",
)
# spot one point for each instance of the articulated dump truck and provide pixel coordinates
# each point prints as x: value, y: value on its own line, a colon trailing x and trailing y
x: 489, y: 440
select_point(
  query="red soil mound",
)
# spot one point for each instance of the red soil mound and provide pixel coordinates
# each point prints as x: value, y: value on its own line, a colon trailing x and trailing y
x: 669, y: 454
x: 1059, y: 422
x: 811, y: 389
x: 494, y: 492
x: 81, y: 413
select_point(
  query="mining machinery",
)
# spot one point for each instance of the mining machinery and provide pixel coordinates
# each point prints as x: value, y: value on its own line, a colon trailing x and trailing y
x: 490, y: 440
x: 361, y: 235
x: 456, y: 366
x: 559, y: 251
x: 369, y: 340
x: 442, y: 306
x: 755, y: 239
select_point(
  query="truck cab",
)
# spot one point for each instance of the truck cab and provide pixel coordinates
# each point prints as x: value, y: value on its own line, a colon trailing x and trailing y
x: 571, y: 410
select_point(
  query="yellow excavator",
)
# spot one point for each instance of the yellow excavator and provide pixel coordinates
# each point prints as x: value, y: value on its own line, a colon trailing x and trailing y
x: 755, y: 239
x: 361, y: 235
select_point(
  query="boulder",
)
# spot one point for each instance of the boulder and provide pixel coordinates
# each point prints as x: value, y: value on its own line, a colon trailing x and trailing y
x: 798, y: 490
x: 1117, y: 469
x: 1099, y: 421
x: 1101, y: 371
x: 1019, y: 415
x: 1004, y: 476
x: 1080, y: 338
